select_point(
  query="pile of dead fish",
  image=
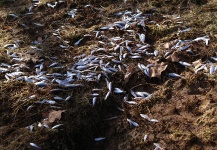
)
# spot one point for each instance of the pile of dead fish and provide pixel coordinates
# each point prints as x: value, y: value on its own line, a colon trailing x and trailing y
x: 112, y: 55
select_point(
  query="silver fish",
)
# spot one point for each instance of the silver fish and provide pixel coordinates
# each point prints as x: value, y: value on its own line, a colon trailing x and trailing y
x: 118, y: 91
x: 99, y: 139
x: 214, y: 58
x: 78, y: 42
x: 157, y: 146
x: 109, y: 85
x: 142, y: 37
x: 212, y: 69
x: 52, y: 6
x: 15, y: 74
x: 145, y: 137
x: 35, y: 145
x: 175, y: 75
x: 185, y: 63
x: 131, y: 102
x: 3, y: 70
x: 94, y: 101
x: 41, y: 83
x: 132, y: 123
x: 107, y: 95
x: 58, y: 98
x: 57, y: 126
x: 146, y: 117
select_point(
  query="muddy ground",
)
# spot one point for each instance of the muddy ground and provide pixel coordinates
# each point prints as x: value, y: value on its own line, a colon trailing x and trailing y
x: 186, y: 108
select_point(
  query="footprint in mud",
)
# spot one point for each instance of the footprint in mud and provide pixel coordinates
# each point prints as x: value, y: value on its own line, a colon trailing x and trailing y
x: 199, y: 84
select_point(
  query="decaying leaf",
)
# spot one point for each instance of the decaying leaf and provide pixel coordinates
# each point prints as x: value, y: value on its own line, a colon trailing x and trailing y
x: 130, y: 71
x: 197, y: 63
x: 168, y: 45
x: 157, y: 69
x: 173, y: 57
x: 54, y: 115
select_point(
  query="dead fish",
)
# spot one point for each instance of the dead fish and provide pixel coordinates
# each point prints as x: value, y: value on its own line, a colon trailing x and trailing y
x: 135, y: 57
x: 107, y: 95
x: 146, y: 71
x: 76, y: 43
x: 131, y: 102
x: 15, y: 74
x: 185, y: 63
x: 203, y: 67
x: 56, y: 90
x: 57, y: 126
x: 63, y: 46
x: 39, y: 25
x: 35, y: 145
x: 140, y: 66
x: 214, y: 58
x: 94, y: 101
x: 48, y: 101
x: 109, y: 85
x: 30, y: 127
x: 81, y: 67
x: 120, y: 109
x: 145, y: 137
x: 52, y: 6
x: 58, y: 98
x: 116, y: 38
x: 101, y: 42
x: 95, y: 90
x: 167, y: 54
x: 3, y: 70
x: 133, y: 93
x: 142, y: 94
x: 41, y: 83
x: 129, y: 49
x: 29, y: 107
x: 97, y: 33
x: 153, y: 120
x: 99, y: 139
x: 68, y: 98
x: 118, y: 91
x: 204, y: 38
x: 27, y: 79
x: 156, y: 53
x: 184, y: 47
x: 95, y: 94
x: 11, y: 46
x: 116, y: 61
x: 111, y: 118
x: 212, y: 69
x: 5, y: 65
x: 185, y: 30
x: 175, y: 75
x: 32, y: 96
x: 106, y: 70
x: 141, y: 37
x: 29, y: 13
x: 157, y: 146
x: 132, y: 123
x: 72, y: 13
x: 73, y: 85
x: 190, y: 51
x: 113, y: 69
x: 105, y: 28
x: 146, y: 117
x: 117, y: 47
